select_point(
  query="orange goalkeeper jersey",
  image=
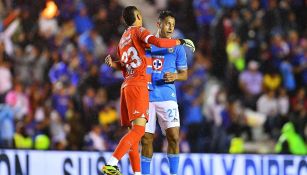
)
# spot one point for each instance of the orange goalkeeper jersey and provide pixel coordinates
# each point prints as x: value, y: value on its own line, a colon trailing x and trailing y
x: 131, y: 51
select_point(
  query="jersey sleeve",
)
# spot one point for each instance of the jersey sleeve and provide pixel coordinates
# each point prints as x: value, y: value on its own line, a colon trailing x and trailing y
x: 148, y: 38
x: 181, y: 59
x: 143, y: 34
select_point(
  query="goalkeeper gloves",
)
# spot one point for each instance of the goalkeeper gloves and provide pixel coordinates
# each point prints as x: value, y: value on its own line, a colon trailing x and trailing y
x: 187, y: 42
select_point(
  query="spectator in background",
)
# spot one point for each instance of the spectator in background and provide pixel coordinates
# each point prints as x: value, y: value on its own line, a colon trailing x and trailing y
x: 236, y: 61
x: 5, y: 79
x: 192, y: 113
x: 90, y: 111
x: 279, y: 50
x: 82, y: 21
x: 184, y: 145
x: 60, y: 99
x: 57, y: 130
x: 19, y: 101
x: 102, y: 25
x: 238, y: 123
x: 204, y: 13
x: 22, y: 139
x: 91, y: 42
x: 191, y: 90
x: 235, y: 52
x: 24, y: 60
x: 93, y: 6
x: 89, y: 100
x: 267, y: 105
x: 294, y: 44
x: 299, y: 112
x: 299, y: 101
x: 111, y: 80
x: 286, y: 70
x: 115, y: 17
x: 75, y: 129
x: 91, y: 79
x: 66, y: 9
x: 40, y: 67
x: 94, y: 139
x: 41, y: 142
x: 290, y: 142
x: 283, y: 103
x: 250, y: 82
x: 7, y: 128
x: 108, y: 116
x: 65, y: 71
x: 220, y: 142
x: 251, y: 30
x: 272, y: 18
x: 40, y: 117
x: 107, y: 113
x: 300, y: 65
x: 271, y: 80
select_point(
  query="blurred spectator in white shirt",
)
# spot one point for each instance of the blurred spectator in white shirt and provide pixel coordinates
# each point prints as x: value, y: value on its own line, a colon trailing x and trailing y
x: 94, y: 139
x: 267, y: 104
x: 283, y: 102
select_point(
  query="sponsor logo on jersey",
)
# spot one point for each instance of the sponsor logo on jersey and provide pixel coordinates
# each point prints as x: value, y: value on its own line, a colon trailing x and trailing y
x: 170, y: 50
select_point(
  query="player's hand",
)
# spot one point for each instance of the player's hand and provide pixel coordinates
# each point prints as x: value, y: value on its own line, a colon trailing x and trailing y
x: 187, y: 42
x: 108, y: 60
x: 170, y: 77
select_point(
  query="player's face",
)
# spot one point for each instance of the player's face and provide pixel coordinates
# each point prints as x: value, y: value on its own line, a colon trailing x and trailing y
x: 167, y: 27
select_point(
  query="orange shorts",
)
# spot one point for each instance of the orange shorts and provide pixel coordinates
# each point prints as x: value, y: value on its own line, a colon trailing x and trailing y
x: 134, y: 103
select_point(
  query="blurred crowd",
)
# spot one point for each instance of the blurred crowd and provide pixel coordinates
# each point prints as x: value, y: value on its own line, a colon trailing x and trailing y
x: 249, y: 71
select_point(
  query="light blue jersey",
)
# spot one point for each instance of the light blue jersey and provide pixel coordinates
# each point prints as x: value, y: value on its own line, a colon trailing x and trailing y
x: 165, y: 60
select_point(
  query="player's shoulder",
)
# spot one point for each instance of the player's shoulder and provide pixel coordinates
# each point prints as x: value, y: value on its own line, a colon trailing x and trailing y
x: 137, y: 29
x: 179, y: 49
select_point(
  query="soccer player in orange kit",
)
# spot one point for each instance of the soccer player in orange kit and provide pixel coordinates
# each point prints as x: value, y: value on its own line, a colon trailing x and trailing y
x: 134, y: 91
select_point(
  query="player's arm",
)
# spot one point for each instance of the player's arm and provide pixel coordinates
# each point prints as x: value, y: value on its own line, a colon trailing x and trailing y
x: 161, y: 42
x: 167, y: 43
x: 181, y: 66
x: 181, y: 75
x: 146, y: 37
x: 114, y: 64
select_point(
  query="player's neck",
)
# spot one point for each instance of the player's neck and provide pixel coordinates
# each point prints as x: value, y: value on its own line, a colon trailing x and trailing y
x: 137, y: 24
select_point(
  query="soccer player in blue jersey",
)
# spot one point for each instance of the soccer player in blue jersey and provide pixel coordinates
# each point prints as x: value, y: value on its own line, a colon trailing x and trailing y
x: 169, y: 65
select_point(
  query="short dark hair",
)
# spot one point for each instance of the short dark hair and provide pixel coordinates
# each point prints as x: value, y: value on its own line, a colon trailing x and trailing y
x: 164, y: 14
x: 128, y: 15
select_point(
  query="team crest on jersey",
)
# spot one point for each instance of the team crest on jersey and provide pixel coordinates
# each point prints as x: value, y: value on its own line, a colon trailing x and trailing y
x: 157, y: 64
x: 170, y: 50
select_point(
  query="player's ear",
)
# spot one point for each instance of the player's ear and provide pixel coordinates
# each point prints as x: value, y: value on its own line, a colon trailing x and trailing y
x: 138, y: 17
x: 159, y: 23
